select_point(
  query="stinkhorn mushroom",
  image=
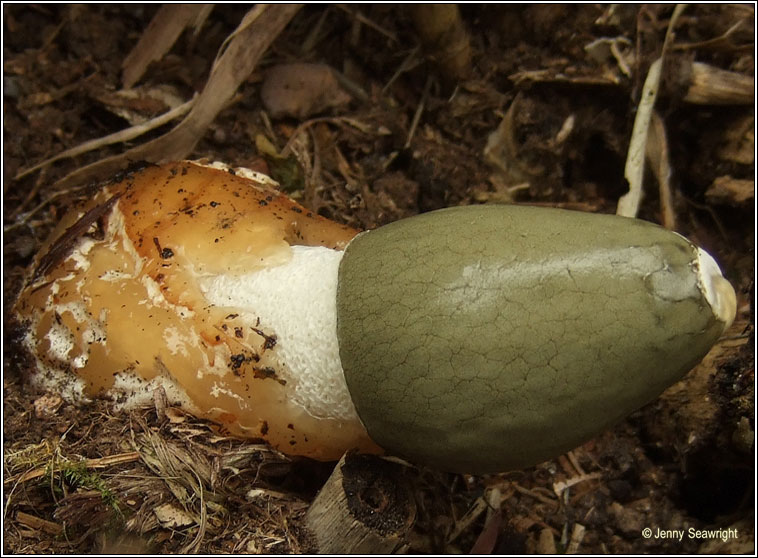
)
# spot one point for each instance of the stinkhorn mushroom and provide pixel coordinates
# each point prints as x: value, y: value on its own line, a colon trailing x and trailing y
x: 474, y: 339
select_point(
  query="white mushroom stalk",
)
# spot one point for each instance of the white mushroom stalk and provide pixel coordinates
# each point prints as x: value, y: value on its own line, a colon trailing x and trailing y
x: 474, y: 339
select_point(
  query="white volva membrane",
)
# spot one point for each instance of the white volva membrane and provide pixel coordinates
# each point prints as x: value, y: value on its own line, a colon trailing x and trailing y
x: 717, y: 290
x: 297, y: 301
x: 241, y: 171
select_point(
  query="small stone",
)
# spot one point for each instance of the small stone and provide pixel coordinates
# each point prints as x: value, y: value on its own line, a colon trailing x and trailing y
x: 47, y: 405
x: 301, y: 90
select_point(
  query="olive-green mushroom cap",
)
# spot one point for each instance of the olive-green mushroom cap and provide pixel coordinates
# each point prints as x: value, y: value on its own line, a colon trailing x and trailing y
x: 489, y: 338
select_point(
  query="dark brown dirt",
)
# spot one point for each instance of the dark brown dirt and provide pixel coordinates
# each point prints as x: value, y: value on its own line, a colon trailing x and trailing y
x: 685, y: 461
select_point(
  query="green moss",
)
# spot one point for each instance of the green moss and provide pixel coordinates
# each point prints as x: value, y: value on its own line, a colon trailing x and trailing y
x: 77, y: 475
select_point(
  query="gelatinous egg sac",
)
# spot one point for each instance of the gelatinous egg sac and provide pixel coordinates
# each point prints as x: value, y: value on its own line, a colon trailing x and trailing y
x: 210, y: 284
x: 475, y: 339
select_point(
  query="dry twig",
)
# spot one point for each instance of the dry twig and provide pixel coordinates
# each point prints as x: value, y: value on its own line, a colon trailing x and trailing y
x: 38, y: 523
x: 236, y: 59
x: 713, y: 86
x: 160, y: 36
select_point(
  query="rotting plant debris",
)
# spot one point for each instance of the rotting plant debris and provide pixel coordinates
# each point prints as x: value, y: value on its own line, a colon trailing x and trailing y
x: 409, y: 141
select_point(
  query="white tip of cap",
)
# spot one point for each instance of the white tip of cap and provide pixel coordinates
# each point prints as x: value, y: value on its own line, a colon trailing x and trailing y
x: 717, y: 291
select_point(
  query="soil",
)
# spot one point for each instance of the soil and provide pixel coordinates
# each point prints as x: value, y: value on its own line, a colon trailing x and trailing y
x: 415, y: 133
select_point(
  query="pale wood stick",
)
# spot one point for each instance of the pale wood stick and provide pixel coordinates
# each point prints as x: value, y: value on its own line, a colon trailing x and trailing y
x: 364, y: 508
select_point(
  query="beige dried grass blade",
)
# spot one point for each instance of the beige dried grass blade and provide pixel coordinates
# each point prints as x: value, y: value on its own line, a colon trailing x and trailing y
x: 658, y: 159
x: 239, y: 59
x: 163, y: 31
x: 117, y: 137
x: 247, y: 20
x: 629, y: 203
x: 634, y: 170
x: 474, y: 512
x: 99, y: 463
